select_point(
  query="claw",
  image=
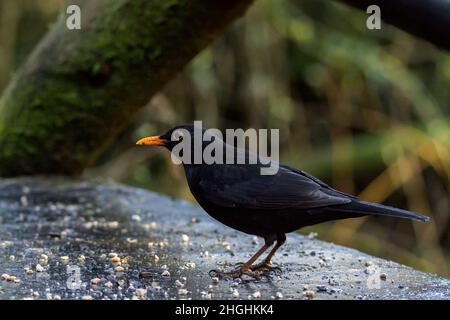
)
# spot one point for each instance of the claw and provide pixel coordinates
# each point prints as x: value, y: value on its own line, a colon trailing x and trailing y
x: 265, y: 269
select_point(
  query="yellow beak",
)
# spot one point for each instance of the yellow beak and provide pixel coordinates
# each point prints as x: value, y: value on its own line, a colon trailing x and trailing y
x: 152, y: 141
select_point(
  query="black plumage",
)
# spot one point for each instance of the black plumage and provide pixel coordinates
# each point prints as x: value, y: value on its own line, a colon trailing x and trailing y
x: 268, y: 206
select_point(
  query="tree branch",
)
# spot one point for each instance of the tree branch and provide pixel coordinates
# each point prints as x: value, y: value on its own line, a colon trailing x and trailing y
x: 80, y: 88
x: 427, y: 19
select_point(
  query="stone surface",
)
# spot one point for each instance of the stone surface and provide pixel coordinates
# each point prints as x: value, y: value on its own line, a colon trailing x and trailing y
x: 166, y: 248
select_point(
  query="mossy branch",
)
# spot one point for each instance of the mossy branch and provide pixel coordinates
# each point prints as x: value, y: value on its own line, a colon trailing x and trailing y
x: 80, y: 88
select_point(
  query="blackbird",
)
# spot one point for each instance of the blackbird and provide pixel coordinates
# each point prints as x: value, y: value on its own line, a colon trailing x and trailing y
x: 268, y: 206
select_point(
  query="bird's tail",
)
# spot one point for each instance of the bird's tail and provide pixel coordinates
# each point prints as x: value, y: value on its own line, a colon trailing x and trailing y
x: 368, y: 208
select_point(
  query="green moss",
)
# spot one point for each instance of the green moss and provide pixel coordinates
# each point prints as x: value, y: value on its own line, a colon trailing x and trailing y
x: 67, y: 105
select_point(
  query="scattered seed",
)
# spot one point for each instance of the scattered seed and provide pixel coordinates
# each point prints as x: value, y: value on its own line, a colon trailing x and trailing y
x: 12, y: 258
x: 182, y: 292
x: 112, y: 254
x: 279, y: 295
x: 39, y: 268
x: 206, y: 295
x: 312, y: 235
x: 136, y: 218
x: 88, y: 297
x: 11, y: 278
x: 215, y: 280
x: 130, y: 240
x: 119, y: 269
x: 235, y: 293
x: 115, y: 259
x: 108, y: 284
x: 184, y: 238
x: 190, y: 265
x: 81, y: 258
x: 309, y: 294
x: 95, y: 281
x: 113, y: 224
x: 156, y: 258
x: 256, y: 294
x: 23, y: 201
x: 141, y: 292
x: 179, y: 284
x: 64, y: 259
x: 151, y: 226
x: 165, y: 273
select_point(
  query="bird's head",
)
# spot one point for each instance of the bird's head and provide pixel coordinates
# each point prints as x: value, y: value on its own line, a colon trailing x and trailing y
x: 169, y: 139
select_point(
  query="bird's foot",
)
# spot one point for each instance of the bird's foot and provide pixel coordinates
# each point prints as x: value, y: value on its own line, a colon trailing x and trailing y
x: 239, y: 272
x: 265, y: 268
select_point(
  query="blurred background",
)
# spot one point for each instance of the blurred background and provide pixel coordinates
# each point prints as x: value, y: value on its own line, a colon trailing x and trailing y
x: 365, y: 110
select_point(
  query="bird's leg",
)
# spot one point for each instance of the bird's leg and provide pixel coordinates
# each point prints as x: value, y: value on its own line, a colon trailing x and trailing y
x: 244, y: 268
x: 265, y: 266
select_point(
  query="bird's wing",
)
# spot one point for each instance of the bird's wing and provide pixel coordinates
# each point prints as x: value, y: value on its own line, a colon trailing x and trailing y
x: 239, y: 186
x: 318, y: 181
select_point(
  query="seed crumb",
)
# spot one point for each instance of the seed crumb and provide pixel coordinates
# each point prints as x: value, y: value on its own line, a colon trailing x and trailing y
x: 369, y: 263
x: 182, y: 292
x: 309, y: 294
x: 184, y: 238
x: 165, y: 273
x: 141, y: 292
x: 119, y: 269
x: 39, y: 268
